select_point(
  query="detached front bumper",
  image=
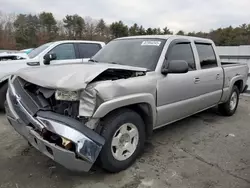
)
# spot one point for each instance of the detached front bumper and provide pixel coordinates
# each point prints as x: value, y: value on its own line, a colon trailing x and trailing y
x: 88, y: 143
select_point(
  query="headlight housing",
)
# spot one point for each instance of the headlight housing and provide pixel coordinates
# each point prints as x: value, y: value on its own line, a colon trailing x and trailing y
x: 67, y: 95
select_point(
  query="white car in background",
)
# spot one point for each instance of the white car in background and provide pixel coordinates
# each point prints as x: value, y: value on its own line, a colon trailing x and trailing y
x: 59, y: 52
x: 7, y: 56
x: 27, y: 51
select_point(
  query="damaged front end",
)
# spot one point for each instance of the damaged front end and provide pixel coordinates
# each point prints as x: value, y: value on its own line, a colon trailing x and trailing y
x: 52, y: 126
x: 56, y: 113
x: 80, y: 81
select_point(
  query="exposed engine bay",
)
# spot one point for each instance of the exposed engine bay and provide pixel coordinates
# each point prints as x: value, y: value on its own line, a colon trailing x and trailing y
x: 46, y: 99
x: 112, y: 74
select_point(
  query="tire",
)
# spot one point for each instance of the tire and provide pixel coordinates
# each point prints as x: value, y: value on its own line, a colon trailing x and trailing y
x: 3, y: 91
x: 114, y: 125
x: 226, y: 109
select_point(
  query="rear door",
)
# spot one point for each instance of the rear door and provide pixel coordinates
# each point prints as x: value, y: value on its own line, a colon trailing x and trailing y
x: 87, y: 50
x: 210, y: 80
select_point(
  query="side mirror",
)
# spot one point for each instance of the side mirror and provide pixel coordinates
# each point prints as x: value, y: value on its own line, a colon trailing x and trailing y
x: 49, y: 57
x: 176, y: 67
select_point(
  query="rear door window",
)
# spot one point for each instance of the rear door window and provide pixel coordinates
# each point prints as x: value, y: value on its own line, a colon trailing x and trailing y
x: 88, y: 50
x: 206, y: 55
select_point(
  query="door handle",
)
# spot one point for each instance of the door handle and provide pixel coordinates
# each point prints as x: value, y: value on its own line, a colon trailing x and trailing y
x: 33, y: 63
x: 197, y: 80
x: 217, y: 76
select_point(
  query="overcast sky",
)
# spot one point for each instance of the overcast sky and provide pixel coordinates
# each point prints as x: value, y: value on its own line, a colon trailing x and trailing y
x: 187, y: 15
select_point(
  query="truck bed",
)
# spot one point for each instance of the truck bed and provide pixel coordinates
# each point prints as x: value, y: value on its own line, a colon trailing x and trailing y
x: 232, y: 71
x: 240, y: 67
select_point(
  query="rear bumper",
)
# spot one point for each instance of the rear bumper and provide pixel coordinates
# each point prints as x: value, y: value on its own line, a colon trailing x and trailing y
x: 88, y: 143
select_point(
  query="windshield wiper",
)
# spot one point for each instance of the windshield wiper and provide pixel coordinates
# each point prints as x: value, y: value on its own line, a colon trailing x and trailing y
x: 92, y: 60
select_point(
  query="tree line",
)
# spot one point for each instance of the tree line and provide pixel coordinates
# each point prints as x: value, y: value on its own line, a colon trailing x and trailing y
x: 30, y: 30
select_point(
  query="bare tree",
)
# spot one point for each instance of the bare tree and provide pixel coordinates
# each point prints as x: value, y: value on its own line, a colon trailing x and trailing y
x: 7, y: 38
x: 90, y: 28
x: 61, y: 30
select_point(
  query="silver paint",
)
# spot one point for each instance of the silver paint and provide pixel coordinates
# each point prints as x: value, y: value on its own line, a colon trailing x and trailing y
x: 69, y: 77
x: 168, y: 97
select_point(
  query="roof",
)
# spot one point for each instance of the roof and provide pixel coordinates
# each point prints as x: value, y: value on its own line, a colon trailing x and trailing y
x: 148, y: 36
x: 167, y: 37
x: 78, y: 41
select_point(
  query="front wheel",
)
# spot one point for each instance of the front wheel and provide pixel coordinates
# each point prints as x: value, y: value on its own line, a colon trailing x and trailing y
x: 229, y: 108
x: 124, y: 132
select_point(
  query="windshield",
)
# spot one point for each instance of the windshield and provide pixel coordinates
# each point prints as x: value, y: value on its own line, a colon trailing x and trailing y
x: 133, y: 52
x: 38, y: 50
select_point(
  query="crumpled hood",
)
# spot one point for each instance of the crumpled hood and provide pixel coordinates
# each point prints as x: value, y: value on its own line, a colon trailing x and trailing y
x: 70, y: 77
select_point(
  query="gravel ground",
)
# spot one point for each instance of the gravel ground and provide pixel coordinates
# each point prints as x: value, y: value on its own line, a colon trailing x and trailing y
x: 203, y: 151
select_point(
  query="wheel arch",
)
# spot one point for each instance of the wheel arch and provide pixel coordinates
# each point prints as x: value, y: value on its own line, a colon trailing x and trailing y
x: 3, y: 91
x: 3, y: 82
x: 239, y: 84
x: 143, y: 104
x: 235, y: 81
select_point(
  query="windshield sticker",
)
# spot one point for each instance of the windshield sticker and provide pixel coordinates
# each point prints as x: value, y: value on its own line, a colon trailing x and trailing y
x: 151, y: 43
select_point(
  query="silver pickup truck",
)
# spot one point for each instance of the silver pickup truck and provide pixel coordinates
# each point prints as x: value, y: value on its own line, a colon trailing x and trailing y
x: 78, y: 113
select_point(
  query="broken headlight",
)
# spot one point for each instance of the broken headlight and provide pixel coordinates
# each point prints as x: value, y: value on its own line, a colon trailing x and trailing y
x: 67, y: 95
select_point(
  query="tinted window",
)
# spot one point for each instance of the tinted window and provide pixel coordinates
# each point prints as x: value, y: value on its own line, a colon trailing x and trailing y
x: 207, y: 56
x: 133, y: 52
x: 182, y: 51
x: 64, y: 51
x: 88, y: 50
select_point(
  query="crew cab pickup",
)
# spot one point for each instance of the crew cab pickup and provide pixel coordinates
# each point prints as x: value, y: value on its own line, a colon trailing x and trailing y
x: 106, y: 109
x: 54, y: 52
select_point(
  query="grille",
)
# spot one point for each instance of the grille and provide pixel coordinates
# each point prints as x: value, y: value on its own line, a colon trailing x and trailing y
x: 26, y: 99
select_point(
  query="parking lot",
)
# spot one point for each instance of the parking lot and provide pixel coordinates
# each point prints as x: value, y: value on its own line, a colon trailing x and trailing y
x: 203, y: 151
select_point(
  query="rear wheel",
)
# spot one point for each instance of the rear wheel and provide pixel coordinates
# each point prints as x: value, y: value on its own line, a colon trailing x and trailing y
x: 3, y: 91
x: 124, y: 132
x: 229, y: 108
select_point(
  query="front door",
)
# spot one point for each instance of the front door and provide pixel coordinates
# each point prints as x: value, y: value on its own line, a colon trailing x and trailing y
x: 65, y: 53
x: 177, y: 94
